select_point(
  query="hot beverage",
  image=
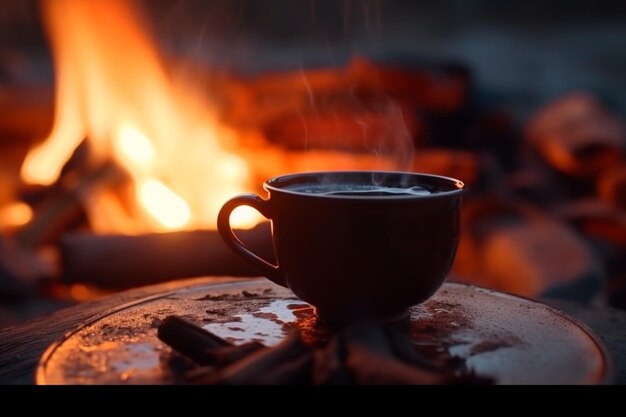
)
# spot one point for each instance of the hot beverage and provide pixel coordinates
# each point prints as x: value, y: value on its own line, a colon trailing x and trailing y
x: 356, y: 244
x: 363, y: 190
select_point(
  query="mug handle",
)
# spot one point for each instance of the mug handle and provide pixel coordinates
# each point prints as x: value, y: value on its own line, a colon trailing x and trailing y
x: 271, y: 271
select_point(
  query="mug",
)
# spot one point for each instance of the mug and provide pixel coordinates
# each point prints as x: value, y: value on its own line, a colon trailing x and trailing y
x: 356, y: 244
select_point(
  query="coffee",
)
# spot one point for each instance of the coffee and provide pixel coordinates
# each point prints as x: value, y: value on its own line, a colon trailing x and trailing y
x: 356, y: 244
x: 361, y: 190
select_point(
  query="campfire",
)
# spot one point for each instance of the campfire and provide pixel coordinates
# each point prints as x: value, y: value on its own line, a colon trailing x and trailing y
x: 126, y: 187
x: 143, y: 161
x: 114, y: 94
x: 182, y: 156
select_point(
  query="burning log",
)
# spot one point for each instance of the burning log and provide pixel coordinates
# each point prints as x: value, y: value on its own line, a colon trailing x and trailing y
x: 577, y: 136
x: 516, y: 247
x: 119, y: 261
x: 64, y: 205
x: 261, y: 99
x: 344, y: 108
x: 344, y: 129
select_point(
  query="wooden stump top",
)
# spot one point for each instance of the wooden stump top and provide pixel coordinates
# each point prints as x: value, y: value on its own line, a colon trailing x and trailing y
x: 21, y: 346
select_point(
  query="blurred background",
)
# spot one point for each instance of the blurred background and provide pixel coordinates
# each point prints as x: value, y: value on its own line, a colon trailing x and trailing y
x: 524, y: 101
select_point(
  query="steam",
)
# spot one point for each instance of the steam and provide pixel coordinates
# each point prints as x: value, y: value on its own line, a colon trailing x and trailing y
x: 339, y: 118
x: 393, y: 142
x: 350, y: 113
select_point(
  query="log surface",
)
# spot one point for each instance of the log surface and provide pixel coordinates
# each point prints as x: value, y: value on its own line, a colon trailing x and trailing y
x: 22, y: 345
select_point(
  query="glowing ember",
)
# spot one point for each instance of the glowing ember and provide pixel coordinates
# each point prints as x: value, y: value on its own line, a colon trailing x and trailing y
x: 15, y: 214
x: 113, y: 90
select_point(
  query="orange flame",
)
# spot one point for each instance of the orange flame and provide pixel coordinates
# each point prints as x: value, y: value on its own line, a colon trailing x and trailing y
x: 113, y: 90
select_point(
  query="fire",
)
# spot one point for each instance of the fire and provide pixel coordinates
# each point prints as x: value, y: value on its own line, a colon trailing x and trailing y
x: 15, y: 214
x: 113, y: 90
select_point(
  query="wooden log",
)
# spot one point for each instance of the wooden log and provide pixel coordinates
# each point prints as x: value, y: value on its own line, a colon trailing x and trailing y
x: 200, y: 345
x: 21, y: 346
x: 20, y: 271
x: 432, y: 86
x: 513, y: 246
x: 597, y: 220
x: 287, y: 363
x: 119, y: 261
x: 604, y: 226
x: 578, y: 136
x: 274, y: 96
x: 63, y: 207
x: 611, y: 186
x: 347, y: 128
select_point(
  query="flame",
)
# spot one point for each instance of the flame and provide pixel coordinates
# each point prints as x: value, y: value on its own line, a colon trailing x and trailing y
x: 163, y: 204
x: 113, y: 90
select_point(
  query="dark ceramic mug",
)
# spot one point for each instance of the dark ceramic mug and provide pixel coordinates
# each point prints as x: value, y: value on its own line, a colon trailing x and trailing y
x: 356, y: 244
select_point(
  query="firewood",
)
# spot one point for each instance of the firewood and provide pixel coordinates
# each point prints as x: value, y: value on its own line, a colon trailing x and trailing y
x: 281, y: 95
x: 345, y: 129
x: 201, y: 345
x: 21, y: 269
x: 63, y: 207
x: 596, y: 219
x: 611, y: 186
x: 577, y: 136
x: 516, y: 247
x: 287, y: 363
x: 120, y: 261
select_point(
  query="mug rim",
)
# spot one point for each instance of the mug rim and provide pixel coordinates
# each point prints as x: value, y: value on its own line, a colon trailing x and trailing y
x: 461, y: 187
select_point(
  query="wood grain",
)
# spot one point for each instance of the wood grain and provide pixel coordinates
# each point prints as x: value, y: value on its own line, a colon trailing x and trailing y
x: 21, y: 346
